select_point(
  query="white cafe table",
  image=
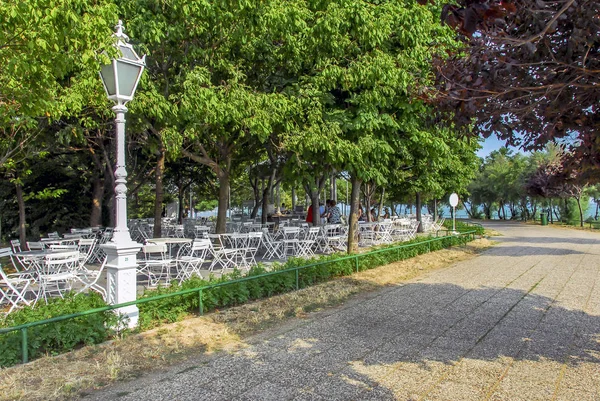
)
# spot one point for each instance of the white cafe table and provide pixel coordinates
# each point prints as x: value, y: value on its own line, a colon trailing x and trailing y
x: 171, y: 242
x: 35, y: 259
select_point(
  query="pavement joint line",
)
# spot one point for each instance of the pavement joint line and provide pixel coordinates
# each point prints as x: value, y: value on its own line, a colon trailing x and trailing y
x: 532, y: 288
x: 565, y: 363
x: 511, y: 363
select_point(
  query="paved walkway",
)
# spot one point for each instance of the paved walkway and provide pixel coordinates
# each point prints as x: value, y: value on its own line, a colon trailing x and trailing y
x: 520, y: 322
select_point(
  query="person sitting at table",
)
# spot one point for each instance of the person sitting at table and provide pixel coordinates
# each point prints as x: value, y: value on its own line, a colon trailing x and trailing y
x: 309, y: 214
x: 361, y: 214
x: 335, y: 214
x: 387, y: 213
x: 325, y: 213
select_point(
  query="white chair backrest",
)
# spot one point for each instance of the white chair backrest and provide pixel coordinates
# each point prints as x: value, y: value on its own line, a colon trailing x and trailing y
x: 15, y: 245
x: 154, y: 248
x: 64, y: 259
x: 87, y: 242
x: 63, y: 247
x: 5, y: 252
x: 35, y: 246
x: 200, y: 244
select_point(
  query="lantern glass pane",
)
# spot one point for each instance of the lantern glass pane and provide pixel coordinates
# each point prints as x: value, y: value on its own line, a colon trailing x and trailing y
x: 128, y: 53
x: 128, y: 77
x: 108, y: 77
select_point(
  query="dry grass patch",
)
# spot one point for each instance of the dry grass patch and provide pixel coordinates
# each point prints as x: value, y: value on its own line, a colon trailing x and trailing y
x: 67, y: 376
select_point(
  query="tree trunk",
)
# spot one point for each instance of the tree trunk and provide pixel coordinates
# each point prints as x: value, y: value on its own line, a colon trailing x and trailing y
x: 368, y: 201
x: 334, y: 197
x: 293, y: 210
x: 314, y: 200
x: 418, y: 206
x: 257, y: 197
x: 97, y: 197
x: 331, y: 187
x: 578, y: 199
x: 265, y: 196
x: 223, y: 176
x: 180, y: 208
x: 265, y: 202
x: 158, y: 201
x: 353, y: 218
x: 22, y: 222
x: 596, y: 214
x: 381, y: 202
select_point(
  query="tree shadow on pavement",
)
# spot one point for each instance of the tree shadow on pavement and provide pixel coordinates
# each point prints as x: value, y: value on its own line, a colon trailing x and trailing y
x: 555, y: 240
x: 521, y: 250
x: 423, y: 330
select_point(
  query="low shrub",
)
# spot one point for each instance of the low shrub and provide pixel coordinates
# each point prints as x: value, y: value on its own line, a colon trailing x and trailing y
x: 462, y: 226
x: 59, y: 337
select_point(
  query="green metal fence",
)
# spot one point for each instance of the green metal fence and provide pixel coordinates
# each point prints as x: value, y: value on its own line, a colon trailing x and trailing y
x: 468, y: 235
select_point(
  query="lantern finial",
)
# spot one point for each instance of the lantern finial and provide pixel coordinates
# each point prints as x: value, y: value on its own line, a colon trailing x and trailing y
x: 119, y: 28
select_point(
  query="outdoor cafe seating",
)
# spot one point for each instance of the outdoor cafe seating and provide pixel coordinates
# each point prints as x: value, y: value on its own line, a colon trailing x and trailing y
x: 76, y: 261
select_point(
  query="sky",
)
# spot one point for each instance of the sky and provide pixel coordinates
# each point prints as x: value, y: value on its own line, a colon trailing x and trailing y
x: 493, y: 143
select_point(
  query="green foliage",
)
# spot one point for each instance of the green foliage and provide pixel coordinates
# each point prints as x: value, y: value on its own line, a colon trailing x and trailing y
x: 462, y: 226
x: 59, y: 337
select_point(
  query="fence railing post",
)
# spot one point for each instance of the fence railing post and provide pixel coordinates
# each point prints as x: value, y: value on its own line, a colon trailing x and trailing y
x: 200, y: 303
x: 297, y: 280
x: 356, y: 262
x: 24, y: 347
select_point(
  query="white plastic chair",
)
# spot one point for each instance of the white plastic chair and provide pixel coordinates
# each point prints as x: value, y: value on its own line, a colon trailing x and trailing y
x: 290, y: 239
x: 273, y: 248
x: 222, y: 255
x: 86, y: 250
x: 190, y: 258
x: 252, y: 245
x: 89, y: 280
x: 58, y: 273
x: 13, y: 287
x: 156, y: 264
x: 306, y: 243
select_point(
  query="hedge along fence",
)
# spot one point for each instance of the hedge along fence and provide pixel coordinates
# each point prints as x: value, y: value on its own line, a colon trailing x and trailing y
x: 91, y: 326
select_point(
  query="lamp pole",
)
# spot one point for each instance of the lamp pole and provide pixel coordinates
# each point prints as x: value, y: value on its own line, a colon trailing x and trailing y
x: 121, y: 231
x: 120, y: 79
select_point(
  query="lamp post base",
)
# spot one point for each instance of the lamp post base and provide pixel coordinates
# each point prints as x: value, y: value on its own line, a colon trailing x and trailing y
x: 121, y: 278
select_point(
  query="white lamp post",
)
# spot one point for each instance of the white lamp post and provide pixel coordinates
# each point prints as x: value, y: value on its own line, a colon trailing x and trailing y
x: 120, y: 79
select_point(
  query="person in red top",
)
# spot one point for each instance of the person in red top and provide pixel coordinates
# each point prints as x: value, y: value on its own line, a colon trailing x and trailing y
x: 309, y: 215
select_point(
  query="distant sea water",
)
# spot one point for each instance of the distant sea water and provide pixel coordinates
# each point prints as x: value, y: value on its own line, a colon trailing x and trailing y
x: 406, y: 209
